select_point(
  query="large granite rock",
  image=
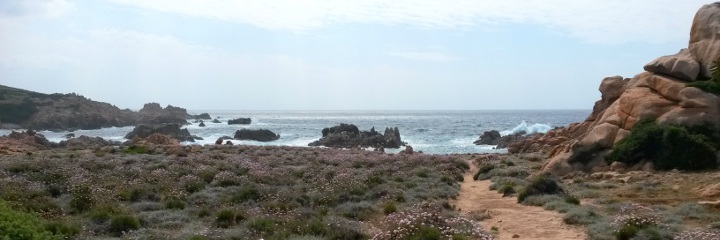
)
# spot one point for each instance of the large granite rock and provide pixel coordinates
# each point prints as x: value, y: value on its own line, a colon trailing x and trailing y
x: 681, y: 65
x: 704, y: 42
x: 261, y: 135
x: 244, y: 121
x: 172, y: 130
x: 647, y: 95
x: 660, y: 93
x: 349, y: 136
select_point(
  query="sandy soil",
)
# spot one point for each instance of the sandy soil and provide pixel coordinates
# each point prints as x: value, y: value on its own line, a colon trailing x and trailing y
x: 511, y: 218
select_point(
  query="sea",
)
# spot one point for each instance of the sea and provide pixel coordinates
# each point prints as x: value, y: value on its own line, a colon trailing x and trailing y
x: 434, y: 132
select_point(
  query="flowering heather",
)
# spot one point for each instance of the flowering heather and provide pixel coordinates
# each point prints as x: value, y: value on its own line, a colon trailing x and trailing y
x: 422, y: 221
x: 698, y: 234
x: 231, y: 191
x: 636, y: 215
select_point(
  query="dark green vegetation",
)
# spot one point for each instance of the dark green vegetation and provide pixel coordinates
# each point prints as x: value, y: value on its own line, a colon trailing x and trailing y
x: 669, y: 146
x: 711, y: 85
x: 543, y: 184
x: 232, y: 192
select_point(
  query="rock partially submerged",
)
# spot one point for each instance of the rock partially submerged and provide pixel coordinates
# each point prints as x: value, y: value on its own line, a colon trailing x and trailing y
x: 172, y: 130
x: 243, y: 121
x: 261, y: 135
x: 349, y: 136
x: 493, y: 137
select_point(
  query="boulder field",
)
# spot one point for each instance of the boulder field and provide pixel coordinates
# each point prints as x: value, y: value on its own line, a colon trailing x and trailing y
x: 660, y: 93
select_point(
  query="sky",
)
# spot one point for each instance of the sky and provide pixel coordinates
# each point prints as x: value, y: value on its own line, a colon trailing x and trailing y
x: 334, y: 54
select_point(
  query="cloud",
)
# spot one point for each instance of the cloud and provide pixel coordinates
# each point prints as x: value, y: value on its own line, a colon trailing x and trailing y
x: 608, y: 21
x: 26, y: 8
x: 424, y: 56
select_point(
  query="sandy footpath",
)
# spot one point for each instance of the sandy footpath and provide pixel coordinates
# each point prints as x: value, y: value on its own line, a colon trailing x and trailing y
x: 511, y: 218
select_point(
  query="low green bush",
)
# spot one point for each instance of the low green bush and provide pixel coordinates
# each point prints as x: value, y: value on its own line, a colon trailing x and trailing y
x: 136, y: 150
x: 120, y: 224
x: 483, y: 170
x: 583, y: 154
x: 540, y: 185
x: 21, y: 226
x: 226, y: 218
x: 668, y: 146
x: 707, y: 86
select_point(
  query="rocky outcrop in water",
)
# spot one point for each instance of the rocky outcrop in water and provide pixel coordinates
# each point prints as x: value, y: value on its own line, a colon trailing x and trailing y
x: 261, y: 135
x: 153, y: 113
x: 172, y: 130
x: 243, y: 121
x: 349, y: 136
x: 493, y: 137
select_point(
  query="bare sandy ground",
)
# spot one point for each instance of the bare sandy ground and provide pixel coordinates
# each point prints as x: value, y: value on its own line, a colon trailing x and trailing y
x: 512, y: 219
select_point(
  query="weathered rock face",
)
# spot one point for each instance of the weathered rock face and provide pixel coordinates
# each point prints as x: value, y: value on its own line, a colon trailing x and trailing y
x: 153, y: 113
x: 660, y: 93
x: 19, y: 142
x: 647, y: 95
x: 172, y: 130
x: 58, y: 112
x: 493, y: 137
x: 349, y: 136
x: 704, y: 42
x: 85, y: 142
x: 488, y: 138
x: 158, y: 139
x: 261, y: 135
x: 243, y: 121
x: 681, y: 65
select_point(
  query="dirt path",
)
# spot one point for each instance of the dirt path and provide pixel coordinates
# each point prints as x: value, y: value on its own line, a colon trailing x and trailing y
x: 511, y: 218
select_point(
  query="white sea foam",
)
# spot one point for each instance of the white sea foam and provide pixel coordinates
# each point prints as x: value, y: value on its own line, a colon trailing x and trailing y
x: 535, y: 128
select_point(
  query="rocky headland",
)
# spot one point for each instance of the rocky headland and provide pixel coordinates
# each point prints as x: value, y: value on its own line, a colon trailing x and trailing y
x: 675, y: 93
x: 60, y: 112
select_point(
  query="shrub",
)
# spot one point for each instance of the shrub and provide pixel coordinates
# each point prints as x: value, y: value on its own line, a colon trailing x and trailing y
x: 19, y: 225
x: 389, y: 208
x: 668, y: 146
x: 507, y: 188
x: 539, y: 185
x: 580, y: 215
x: 707, y: 86
x: 175, y: 204
x: 136, y: 150
x: 246, y: 193
x: 583, y: 154
x: 228, y: 217
x: 262, y: 225
x: 572, y: 200
x: 123, y: 223
x: 483, y: 170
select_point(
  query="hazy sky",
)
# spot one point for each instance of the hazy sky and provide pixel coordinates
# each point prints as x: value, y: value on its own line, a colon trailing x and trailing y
x: 336, y: 54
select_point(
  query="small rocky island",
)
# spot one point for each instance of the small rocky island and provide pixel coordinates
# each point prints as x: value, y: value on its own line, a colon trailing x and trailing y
x: 349, y: 136
x: 260, y: 135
